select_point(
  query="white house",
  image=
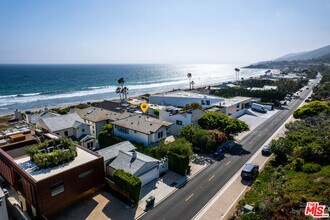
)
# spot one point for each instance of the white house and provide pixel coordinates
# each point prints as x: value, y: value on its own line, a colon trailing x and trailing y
x: 98, y: 117
x: 123, y: 156
x: 70, y: 125
x: 182, y: 98
x: 33, y: 118
x: 179, y: 119
x: 235, y: 104
x: 138, y: 164
x: 141, y: 129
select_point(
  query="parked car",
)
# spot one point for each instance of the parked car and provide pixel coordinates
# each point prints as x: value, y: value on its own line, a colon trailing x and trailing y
x: 250, y: 171
x: 266, y: 150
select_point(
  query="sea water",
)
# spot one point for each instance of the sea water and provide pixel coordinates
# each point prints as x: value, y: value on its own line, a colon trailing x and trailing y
x: 37, y: 86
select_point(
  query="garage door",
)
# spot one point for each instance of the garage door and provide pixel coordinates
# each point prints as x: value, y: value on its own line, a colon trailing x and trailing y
x: 149, y: 176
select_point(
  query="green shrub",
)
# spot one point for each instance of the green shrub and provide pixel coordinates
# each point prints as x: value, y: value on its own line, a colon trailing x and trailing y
x: 297, y: 164
x: 128, y: 183
x: 156, y: 112
x: 178, y: 163
x: 311, y: 168
x: 311, y: 109
x: 67, y: 152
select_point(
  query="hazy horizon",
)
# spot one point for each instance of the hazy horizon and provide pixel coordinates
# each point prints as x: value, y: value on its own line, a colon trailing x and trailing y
x: 160, y: 32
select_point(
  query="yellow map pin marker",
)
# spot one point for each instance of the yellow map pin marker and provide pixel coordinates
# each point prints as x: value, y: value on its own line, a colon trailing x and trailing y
x: 144, y: 107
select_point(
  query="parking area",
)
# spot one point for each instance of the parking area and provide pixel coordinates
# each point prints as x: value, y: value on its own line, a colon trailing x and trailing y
x: 254, y: 120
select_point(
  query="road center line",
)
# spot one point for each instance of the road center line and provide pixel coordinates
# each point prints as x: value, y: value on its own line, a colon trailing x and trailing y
x: 251, y: 142
x: 189, y: 197
x: 211, y: 177
x: 228, y: 163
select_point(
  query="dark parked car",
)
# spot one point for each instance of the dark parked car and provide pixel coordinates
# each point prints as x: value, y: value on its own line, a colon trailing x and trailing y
x: 266, y: 150
x: 250, y: 171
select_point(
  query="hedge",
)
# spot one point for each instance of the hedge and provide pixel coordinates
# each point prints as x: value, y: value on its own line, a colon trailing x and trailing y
x: 311, y: 168
x: 178, y: 163
x: 66, y: 151
x: 128, y: 183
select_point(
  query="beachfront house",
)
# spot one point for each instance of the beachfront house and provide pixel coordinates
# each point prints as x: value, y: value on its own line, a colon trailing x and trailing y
x: 98, y: 117
x: 141, y: 129
x: 33, y: 118
x: 69, y: 125
x: 182, y: 98
x: 265, y: 88
x: 179, y: 119
x: 233, y: 105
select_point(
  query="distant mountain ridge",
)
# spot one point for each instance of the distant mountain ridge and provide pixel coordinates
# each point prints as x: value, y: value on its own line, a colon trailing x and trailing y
x: 307, y: 55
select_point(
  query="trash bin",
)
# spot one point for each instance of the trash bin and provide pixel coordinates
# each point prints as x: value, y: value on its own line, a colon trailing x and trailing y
x: 150, y: 202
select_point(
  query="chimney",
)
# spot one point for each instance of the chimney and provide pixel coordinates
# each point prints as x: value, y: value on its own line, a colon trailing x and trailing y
x: 133, y: 155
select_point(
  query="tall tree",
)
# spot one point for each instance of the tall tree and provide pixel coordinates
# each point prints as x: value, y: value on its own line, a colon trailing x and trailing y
x: 124, y: 90
x: 189, y: 78
x: 118, y: 91
x: 237, y: 73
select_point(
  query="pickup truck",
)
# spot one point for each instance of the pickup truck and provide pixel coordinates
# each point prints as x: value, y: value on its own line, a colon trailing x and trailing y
x: 223, y: 148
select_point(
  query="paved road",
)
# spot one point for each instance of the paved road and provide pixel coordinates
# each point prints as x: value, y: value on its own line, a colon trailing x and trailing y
x: 186, y: 202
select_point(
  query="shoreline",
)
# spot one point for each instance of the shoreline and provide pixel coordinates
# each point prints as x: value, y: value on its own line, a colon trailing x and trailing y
x: 136, y: 96
x: 65, y: 105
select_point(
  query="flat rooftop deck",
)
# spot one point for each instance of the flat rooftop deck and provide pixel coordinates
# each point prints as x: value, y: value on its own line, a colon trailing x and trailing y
x: 234, y: 101
x: 39, y: 174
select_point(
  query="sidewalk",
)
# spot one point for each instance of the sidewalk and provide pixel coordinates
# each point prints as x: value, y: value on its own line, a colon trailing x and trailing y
x: 164, y: 187
x: 223, y: 204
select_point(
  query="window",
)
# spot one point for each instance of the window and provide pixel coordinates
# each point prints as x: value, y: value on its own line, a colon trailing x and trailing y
x: 83, y: 130
x: 202, y: 102
x: 123, y: 130
x: 208, y: 102
x: 178, y: 122
x: 160, y: 134
x: 57, y: 188
x: 85, y: 174
x: 66, y: 133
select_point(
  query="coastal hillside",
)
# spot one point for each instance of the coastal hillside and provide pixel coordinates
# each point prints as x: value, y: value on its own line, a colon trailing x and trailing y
x: 314, y: 54
x: 297, y: 60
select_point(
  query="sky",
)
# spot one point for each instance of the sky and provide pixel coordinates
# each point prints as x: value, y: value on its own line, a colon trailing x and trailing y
x: 160, y: 31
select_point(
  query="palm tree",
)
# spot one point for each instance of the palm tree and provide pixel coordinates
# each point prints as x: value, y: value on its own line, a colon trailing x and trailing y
x: 192, y: 84
x: 125, y: 92
x: 189, y: 77
x: 118, y: 91
x: 237, y: 73
x: 121, y: 82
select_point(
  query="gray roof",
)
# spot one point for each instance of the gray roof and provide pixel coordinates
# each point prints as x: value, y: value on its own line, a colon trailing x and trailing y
x: 111, y: 105
x: 96, y: 114
x: 63, y: 122
x: 142, y: 123
x: 34, y: 118
x: 138, y: 166
x: 112, y: 151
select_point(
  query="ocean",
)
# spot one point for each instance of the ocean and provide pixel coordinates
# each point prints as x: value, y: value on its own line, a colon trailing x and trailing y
x: 36, y: 86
